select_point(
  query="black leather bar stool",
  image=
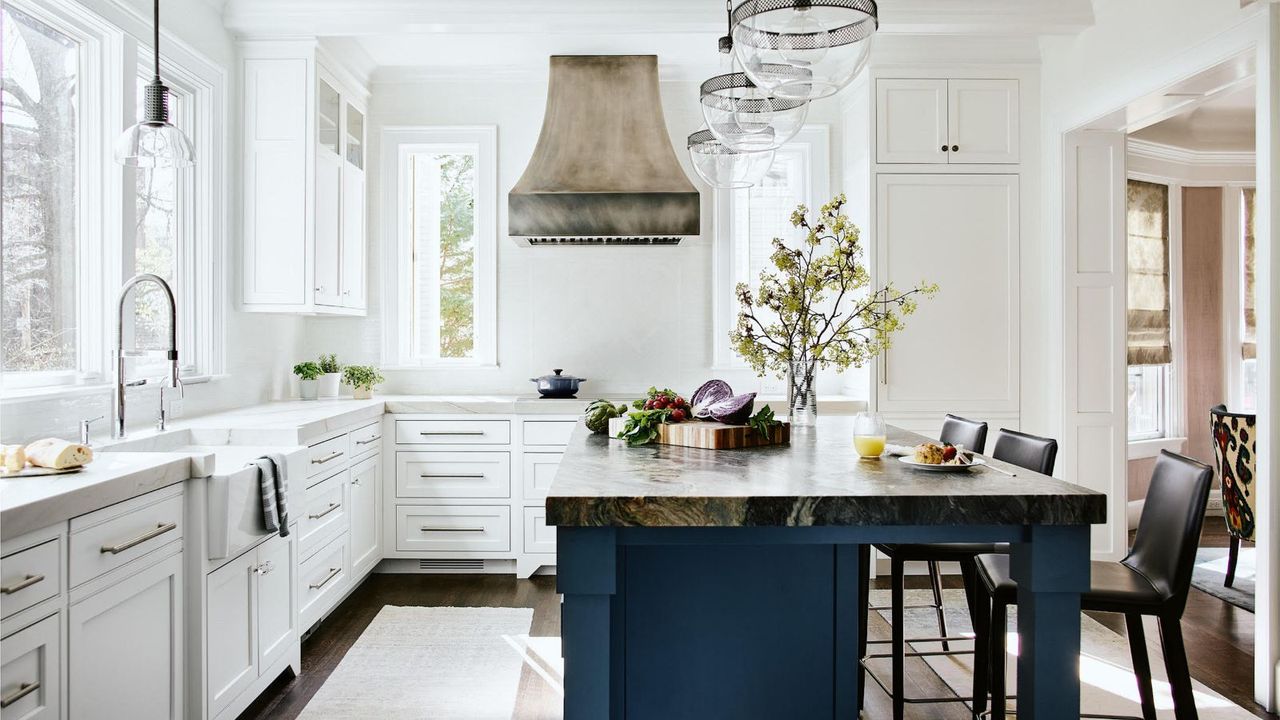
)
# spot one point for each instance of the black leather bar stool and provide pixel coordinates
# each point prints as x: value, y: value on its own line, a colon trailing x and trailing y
x: 1024, y: 450
x: 1153, y: 579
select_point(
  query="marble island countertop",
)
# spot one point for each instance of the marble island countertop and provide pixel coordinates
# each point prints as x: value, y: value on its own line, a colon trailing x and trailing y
x: 817, y: 480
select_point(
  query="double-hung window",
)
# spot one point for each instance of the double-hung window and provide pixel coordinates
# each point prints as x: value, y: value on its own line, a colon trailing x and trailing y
x: 1148, y: 343
x: 443, y: 310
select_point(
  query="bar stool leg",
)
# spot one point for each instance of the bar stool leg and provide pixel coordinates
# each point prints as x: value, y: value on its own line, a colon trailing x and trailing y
x: 1232, y: 555
x: 1141, y: 664
x: 980, y: 606
x: 999, y: 639
x: 864, y: 603
x: 935, y: 579
x: 1175, y: 665
x: 899, y: 641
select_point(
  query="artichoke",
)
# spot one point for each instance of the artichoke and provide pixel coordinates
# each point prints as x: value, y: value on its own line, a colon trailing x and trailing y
x: 599, y: 413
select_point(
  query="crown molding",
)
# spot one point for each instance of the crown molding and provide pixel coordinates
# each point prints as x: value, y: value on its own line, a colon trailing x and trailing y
x: 1184, y: 156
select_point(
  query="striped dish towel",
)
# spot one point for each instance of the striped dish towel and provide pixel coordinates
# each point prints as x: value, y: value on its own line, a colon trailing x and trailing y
x: 273, y: 484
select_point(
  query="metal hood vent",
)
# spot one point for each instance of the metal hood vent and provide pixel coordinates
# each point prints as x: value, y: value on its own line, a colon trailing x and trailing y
x: 604, y: 171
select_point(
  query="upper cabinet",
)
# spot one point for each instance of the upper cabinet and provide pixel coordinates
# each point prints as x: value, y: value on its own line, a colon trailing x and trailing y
x: 937, y: 121
x: 304, y: 208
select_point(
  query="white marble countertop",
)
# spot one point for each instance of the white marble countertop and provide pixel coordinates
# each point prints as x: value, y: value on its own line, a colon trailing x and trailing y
x: 32, y: 503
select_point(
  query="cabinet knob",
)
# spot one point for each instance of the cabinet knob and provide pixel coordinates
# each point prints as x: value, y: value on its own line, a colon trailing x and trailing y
x: 944, y: 148
x: 954, y: 148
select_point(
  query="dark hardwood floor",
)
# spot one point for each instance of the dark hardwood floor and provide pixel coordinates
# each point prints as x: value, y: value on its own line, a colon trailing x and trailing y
x: 1219, y: 639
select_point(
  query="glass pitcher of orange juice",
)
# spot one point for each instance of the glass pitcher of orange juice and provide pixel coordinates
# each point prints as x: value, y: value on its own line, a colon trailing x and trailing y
x: 868, y: 434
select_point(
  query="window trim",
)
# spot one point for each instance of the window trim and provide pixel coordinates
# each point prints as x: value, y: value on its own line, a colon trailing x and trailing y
x: 1233, y: 277
x: 396, y: 142
x: 817, y: 139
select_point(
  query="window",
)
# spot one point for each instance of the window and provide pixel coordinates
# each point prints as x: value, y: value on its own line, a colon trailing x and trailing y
x: 749, y: 219
x: 41, y: 144
x: 1148, y: 342
x: 445, y: 214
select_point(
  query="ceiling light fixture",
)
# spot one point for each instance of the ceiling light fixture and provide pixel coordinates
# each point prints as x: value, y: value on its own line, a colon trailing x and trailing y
x: 723, y: 167
x: 154, y: 141
x: 803, y: 49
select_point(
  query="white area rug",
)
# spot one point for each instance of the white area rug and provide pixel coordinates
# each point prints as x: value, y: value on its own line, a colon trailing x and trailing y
x: 1108, y: 686
x: 442, y: 663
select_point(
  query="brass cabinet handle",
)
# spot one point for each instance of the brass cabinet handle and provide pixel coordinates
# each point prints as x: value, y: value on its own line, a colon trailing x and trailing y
x: 461, y: 476
x: 452, y: 432
x: 428, y: 528
x: 326, y: 458
x: 333, y: 573
x: 23, y: 690
x: 22, y: 584
x: 366, y: 441
x: 118, y: 548
x: 326, y: 511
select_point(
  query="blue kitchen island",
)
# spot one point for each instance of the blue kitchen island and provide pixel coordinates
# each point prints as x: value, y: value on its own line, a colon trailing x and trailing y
x: 724, y: 584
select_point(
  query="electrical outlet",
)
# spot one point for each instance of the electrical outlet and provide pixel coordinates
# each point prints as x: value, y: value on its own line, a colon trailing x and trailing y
x: 770, y: 385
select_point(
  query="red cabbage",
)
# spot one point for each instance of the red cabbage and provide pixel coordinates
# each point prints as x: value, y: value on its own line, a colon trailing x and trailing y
x: 711, y: 391
x: 733, y: 410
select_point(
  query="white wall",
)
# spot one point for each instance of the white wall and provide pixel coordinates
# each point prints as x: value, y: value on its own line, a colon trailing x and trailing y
x: 624, y: 318
x: 258, y: 349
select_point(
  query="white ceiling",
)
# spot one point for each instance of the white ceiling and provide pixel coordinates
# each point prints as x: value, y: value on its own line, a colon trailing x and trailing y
x: 494, y: 36
x: 1224, y: 123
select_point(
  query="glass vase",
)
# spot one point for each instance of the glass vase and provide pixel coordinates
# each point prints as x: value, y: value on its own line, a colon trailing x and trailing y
x: 802, y: 395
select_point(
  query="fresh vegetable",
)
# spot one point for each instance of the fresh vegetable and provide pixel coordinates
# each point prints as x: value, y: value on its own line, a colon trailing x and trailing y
x: 600, y: 412
x: 641, y: 427
x: 764, y: 422
x: 665, y: 399
x: 710, y: 392
x: 732, y: 410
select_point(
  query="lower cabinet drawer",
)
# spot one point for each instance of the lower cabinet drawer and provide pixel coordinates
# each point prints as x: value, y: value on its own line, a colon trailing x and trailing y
x: 322, y: 578
x: 324, y: 514
x: 327, y: 455
x: 105, y: 539
x: 453, y: 432
x: 539, y: 537
x: 453, y: 474
x: 30, y: 576
x: 453, y: 528
x: 30, y: 672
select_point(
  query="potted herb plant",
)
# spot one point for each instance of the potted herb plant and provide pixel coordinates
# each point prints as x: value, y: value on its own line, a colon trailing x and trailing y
x: 332, y: 374
x: 308, y: 379
x: 814, y: 309
x: 361, y: 378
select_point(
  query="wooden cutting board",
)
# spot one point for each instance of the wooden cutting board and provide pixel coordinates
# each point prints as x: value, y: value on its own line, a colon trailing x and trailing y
x: 710, y: 435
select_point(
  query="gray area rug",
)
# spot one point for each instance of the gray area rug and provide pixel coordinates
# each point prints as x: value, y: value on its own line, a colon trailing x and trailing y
x: 442, y: 663
x: 1107, y: 683
x: 1211, y: 571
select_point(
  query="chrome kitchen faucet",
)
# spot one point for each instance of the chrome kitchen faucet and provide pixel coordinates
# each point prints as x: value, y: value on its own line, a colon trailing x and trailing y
x: 117, y: 427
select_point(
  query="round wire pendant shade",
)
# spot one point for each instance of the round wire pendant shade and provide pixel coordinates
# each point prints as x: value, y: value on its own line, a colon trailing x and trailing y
x: 803, y: 49
x: 744, y: 117
x: 722, y: 166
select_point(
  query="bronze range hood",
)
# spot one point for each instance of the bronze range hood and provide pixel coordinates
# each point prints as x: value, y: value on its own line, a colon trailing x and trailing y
x: 604, y: 171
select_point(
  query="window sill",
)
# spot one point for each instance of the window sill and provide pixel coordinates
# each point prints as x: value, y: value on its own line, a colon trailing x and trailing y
x: 25, y: 395
x: 1140, y: 449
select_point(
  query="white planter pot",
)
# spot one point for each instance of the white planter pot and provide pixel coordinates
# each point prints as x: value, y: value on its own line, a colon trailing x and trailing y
x: 361, y: 393
x: 309, y: 389
x: 329, y: 384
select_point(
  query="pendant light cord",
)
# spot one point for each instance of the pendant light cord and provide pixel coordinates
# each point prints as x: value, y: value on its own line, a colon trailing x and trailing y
x: 155, y: 26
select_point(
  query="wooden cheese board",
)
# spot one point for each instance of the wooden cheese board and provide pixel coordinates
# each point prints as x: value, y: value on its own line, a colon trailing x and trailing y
x: 711, y: 435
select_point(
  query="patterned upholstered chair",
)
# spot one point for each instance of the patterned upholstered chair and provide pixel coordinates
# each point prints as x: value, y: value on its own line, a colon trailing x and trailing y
x: 1234, y: 442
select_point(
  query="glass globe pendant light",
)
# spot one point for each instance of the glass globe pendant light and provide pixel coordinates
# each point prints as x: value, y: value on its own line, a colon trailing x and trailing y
x: 154, y: 141
x: 723, y: 167
x: 803, y: 49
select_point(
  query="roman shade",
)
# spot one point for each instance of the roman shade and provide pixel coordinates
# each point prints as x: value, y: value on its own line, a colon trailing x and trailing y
x: 1249, y: 347
x: 1148, y: 274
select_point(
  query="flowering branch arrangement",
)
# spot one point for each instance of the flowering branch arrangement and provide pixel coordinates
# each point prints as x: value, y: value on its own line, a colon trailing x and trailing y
x: 815, y: 310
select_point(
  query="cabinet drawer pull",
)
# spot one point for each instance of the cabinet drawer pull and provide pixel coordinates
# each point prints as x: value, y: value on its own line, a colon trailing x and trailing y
x: 366, y: 441
x: 326, y: 511
x: 452, y: 432
x: 159, y: 530
x: 22, y: 584
x: 333, y: 573
x: 428, y: 528
x: 460, y: 476
x: 326, y: 458
x: 23, y: 690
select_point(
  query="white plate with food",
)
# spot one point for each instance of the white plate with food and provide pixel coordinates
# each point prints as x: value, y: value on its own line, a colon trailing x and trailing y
x: 945, y: 467
x: 941, y: 457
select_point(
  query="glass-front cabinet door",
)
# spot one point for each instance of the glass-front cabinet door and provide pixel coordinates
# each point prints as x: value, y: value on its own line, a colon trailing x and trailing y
x: 355, y: 136
x: 328, y: 106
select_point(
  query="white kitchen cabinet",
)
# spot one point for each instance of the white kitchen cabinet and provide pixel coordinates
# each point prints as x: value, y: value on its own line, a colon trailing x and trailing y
x: 961, y: 232
x: 366, y: 494
x: 31, y: 672
x: 250, y: 623
x: 304, y: 230
x: 125, y: 644
x: 941, y: 121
